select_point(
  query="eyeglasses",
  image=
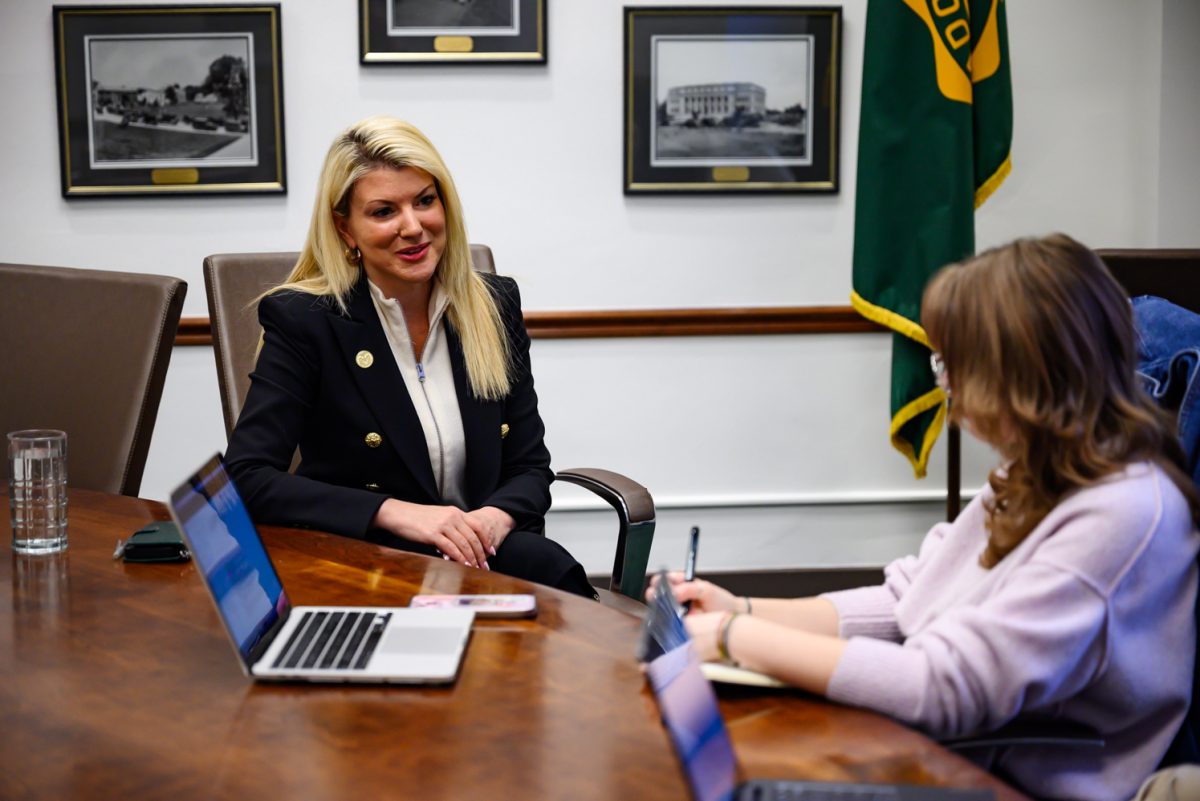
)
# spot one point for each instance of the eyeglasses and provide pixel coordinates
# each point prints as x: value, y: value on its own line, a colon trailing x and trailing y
x: 939, y: 372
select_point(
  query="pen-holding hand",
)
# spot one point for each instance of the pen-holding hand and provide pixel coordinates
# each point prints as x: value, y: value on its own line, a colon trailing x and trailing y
x: 704, y: 596
x: 447, y: 528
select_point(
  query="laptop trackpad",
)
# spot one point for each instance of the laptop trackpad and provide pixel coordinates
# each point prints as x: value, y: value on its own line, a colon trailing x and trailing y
x: 421, y: 640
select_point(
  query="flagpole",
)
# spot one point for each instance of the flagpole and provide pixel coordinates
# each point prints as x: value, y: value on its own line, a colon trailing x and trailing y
x: 953, y: 472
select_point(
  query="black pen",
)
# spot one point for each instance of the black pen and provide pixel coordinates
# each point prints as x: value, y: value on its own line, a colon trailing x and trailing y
x: 689, y: 566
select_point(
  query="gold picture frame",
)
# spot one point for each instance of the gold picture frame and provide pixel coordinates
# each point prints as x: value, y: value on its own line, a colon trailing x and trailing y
x: 723, y: 100
x: 170, y: 99
x: 452, y: 32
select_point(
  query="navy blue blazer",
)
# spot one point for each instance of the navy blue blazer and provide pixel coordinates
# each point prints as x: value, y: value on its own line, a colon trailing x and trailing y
x: 359, y: 436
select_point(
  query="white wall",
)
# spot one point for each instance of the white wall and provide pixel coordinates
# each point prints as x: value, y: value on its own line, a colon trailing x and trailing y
x: 1179, y: 137
x: 776, y: 445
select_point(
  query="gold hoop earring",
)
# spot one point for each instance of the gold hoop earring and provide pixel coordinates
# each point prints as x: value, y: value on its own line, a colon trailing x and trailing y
x: 353, y: 255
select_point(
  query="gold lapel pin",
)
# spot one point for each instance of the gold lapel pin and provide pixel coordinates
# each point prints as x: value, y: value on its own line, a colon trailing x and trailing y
x: 503, y: 430
x: 364, y: 359
x: 373, y: 440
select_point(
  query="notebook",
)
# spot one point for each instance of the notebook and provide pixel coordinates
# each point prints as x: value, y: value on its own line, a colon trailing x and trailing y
x: 690, y: 713
x: 276, y: 641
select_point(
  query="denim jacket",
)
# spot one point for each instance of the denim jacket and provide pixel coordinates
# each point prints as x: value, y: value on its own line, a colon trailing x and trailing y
x: 1168, y: 345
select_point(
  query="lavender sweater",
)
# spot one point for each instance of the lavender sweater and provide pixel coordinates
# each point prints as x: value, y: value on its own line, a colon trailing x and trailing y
x: 1090, y: 619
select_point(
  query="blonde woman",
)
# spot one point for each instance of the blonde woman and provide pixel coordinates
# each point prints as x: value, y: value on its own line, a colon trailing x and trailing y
x: 402, y: 375
x: 1065, y: 590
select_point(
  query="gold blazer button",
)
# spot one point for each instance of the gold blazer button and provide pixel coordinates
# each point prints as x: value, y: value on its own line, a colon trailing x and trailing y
x: 503, y: 430
x: 373, y: 440
x: 364, y: 359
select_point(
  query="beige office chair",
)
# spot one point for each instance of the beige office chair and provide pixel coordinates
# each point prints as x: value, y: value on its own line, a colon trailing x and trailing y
x: 233, y: 280
x: 86, y: 351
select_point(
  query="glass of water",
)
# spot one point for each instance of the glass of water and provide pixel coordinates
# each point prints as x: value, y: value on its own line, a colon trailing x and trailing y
x: 37, y: 490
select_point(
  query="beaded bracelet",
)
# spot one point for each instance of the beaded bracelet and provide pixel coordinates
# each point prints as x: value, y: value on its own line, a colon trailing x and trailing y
x: 723, y: 637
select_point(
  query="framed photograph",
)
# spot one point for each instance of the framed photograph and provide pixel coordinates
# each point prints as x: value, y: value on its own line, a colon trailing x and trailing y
x: 169, y: 99
x: 452, y: 31
x: 731, y: 99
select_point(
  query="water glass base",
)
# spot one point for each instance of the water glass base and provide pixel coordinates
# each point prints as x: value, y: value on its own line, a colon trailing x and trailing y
x: 40, y: 547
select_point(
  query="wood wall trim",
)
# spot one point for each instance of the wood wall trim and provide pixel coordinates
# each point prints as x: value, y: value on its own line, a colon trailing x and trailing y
x: 194, y: 331
x: 697, y: 322
x: 753, y: 321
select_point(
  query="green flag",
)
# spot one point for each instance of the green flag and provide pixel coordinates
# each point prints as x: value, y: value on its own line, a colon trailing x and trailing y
x: 934, y: 142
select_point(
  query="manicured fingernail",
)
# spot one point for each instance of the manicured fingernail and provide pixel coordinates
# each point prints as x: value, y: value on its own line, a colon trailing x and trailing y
x: 492, y: 550
x: 447, y: 558
x: 485, y: 565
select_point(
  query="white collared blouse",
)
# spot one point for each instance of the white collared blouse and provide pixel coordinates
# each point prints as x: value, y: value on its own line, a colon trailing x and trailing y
x: 430, y: 384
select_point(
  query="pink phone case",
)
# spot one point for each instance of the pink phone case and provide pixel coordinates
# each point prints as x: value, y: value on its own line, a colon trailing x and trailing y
x: 516, y: 605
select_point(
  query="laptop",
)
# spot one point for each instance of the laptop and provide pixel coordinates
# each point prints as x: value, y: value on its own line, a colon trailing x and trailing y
x: 277, y: 641
x: 690, y: 713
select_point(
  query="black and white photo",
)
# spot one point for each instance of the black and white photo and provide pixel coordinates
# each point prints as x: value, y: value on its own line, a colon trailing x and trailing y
x: 169, y: 99
x: 454, y: 17
x: 731, y: 99
x: 452, y: 31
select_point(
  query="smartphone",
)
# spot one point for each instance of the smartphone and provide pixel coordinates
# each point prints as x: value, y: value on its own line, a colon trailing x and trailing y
x: 515, y: 605
x: 662, y: 628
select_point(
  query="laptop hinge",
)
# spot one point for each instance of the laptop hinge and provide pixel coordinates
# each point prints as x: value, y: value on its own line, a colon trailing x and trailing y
x: 260, y: 647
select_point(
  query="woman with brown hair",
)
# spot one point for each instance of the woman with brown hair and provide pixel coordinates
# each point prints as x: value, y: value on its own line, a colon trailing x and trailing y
x: 1065, y: 590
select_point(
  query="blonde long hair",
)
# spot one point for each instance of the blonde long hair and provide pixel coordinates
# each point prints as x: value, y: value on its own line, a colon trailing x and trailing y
x: 323, y: 268
x: 1038, y: 342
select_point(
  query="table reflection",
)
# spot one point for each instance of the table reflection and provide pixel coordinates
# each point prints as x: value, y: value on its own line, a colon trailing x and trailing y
x: 41, y: 586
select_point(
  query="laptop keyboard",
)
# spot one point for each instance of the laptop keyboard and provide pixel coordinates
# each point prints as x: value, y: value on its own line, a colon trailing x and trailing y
x: 332, y: 641
x: 817, y: 791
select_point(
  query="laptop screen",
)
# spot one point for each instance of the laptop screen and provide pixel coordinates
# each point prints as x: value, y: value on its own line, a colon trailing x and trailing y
x: 686, y: 700
x: 689, y: 710
x: 230, y: 556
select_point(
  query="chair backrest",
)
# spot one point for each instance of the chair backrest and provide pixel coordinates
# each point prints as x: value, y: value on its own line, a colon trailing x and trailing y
x: 232, y: 282
x: 1175, y: 276
x: 86, y: 351
x: 1170, y: 274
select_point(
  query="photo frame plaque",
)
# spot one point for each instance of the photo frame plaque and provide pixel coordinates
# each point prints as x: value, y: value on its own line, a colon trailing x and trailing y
x: 731, y: 99
x: 170, y: 99
x: 452, y: 31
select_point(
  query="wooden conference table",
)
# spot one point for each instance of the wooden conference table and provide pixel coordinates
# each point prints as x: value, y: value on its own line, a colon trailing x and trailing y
x: 116, y: 681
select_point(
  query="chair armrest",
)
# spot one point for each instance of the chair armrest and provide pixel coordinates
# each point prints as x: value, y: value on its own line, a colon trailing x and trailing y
x: 631, y: 500
x: 1030, y: 733
x: 635, y: 514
